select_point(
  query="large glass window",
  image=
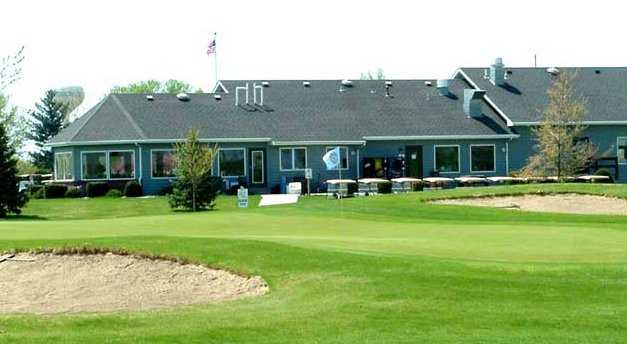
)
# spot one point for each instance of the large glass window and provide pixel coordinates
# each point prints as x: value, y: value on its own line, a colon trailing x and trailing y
x: 621, y: 147
x: 447, y: 158
x: 482, y: 158
x: 293, y: 159
x: 94, y: 165
x: 63, y: 166
x: 122, y: 165
x: 232, y: 162
x: 162, y: 164
x: 343, y: 156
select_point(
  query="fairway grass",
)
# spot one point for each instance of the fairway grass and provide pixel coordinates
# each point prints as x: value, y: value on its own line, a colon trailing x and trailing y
x: 386, y: 269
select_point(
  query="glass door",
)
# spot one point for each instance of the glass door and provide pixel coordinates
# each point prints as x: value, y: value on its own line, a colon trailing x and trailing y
x: 257, y: 167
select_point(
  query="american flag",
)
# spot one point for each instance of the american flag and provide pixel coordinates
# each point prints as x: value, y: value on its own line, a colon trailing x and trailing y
x: 212, y: 47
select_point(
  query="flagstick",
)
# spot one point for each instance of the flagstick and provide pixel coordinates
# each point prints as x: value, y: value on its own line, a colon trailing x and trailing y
x: 215, y: 35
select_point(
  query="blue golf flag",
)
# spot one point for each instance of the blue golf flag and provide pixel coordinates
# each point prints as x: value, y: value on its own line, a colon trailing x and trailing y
x: 332, y: 159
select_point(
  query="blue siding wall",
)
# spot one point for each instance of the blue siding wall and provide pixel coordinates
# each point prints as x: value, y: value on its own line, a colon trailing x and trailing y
x: 603, y: 136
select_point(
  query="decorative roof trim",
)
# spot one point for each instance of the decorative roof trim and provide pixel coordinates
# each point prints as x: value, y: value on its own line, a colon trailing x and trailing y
x: 487, y: 99
x: 221, y: 85
x: 127, y: 142
x: 313, y: 143
x: 442, y: 137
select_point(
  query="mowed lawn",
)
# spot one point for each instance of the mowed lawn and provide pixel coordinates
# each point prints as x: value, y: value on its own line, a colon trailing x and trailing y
x: 385, y: 269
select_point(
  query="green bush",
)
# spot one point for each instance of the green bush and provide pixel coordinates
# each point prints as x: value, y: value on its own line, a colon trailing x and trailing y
x: 114, y: 193
x: 33, y: 189
x: 74, y: 192
x: 206, y: 194
x: 55, y: 190
x: 418, y: 186
x: 165, y: 191
x: 39, y: 193
x: 96, y: 189
x: 133, y: 189
x: 605, y: 172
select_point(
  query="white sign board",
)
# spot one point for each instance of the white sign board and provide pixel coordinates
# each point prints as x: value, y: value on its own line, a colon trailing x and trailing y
x: 308, y: 173
x: 242, y: 198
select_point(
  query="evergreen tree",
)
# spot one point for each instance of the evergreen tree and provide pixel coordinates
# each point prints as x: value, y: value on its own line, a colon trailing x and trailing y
x: 11, y: 200
x: 48, y: 120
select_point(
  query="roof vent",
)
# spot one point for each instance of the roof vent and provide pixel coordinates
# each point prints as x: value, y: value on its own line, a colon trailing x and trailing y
x: 497, y: 72
x: 306, y: 84
x: 150, y: 97
x: 184, y: 97
x: 265, y: 84
x: 388, y: 83
x: 486, y: 74
x: 442, y: 86
x: 217, y: 97
x: 598, y: 71
x: 347, y: 83
x: 553, y: 70
x: 428, y: 83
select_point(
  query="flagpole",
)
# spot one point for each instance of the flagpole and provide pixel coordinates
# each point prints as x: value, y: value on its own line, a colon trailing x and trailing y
x: 215, y: 35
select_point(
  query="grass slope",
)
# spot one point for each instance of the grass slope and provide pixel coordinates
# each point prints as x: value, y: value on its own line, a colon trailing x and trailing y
x: 367, y: 270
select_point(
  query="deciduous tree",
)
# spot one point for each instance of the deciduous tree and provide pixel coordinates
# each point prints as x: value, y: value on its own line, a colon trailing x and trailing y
x: 16, y: 127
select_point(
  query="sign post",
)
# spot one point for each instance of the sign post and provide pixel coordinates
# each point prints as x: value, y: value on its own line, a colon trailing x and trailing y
x: 308, y: 176
x: 242, y: 197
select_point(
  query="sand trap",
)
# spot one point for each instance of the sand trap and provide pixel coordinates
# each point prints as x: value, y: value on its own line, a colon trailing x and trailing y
x: 558, y: 203
x: 47, y: 283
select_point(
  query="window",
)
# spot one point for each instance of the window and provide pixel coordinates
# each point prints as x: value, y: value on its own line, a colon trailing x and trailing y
x: 621, y: 150
x: 482, y: 158
x: 447, y: 159
x: 94, y: 165
x: 257, y: 168
x: 232, y: 162
x: 122, y: 165
x: 63, y: 166
x: 343, y: 156
x: 162, y: 165
x: 293, y: 159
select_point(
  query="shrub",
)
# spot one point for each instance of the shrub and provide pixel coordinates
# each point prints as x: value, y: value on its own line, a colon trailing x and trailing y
x: 74, y: 193
x: 114, y: 193
x: 33, y: 189
x: 133, y: 189
x: 167, y: 190
x: 96, y: 189
x: 206, y: 194
x: 605, y: 172
x: 418, y: 186
x: 55, y: 190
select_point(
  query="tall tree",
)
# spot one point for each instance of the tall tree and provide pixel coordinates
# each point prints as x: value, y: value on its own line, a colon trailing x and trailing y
x: 16, y: 127
x: 379, y: 75
x: 48, y: 120
x: 561, y: 149
x: 193, y: 161
x: 10, y: 68
x: 11, y: 200
x: 155, y: 86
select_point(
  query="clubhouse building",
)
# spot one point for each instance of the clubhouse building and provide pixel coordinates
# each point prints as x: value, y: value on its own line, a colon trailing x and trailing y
x: 479, y: 122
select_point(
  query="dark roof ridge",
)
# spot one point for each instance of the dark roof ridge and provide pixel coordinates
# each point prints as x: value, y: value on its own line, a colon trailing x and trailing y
x: 128, y: 116
x: 91, y: 114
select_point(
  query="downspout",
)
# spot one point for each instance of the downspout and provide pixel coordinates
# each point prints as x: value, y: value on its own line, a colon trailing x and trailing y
x: 507, y: 158
x: 140, y: 164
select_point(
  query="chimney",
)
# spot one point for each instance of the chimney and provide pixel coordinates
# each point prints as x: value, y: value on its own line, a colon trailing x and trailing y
x: 497, y: 72
x: 472, y: 102
x: 442, y: 87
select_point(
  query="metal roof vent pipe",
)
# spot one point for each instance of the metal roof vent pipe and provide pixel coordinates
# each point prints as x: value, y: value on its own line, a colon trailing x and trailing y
x: 497, y: 72
x: 241, y: 88
x: 184, y: 97
x: 472, y: 102
x: 442, y: 87
x: 347, y: 83
x: 388, y: 86
x: 260, y: 88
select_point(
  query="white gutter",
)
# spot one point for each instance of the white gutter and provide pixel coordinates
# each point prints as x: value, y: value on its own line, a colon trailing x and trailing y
x: 507, y: 158
x: 120, y: 142
x: 442, y: 137
x: 292, y: 143
x: 487, y: 99
x: 583, y: 122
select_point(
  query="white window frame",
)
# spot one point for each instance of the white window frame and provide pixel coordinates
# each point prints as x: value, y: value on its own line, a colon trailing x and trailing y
x: 459, y: 160
x: 106, y: 166
x: 152, y: 165
x: 348, y: 161
x: 252, y: 167
x: 245, y: 162
x: 71, y: 166
x: 293, y: 159
x: 493, y: 156
x: 109, y: 163
x: 617, y: 148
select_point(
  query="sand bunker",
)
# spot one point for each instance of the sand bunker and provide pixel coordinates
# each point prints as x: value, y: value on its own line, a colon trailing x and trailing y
x: 47, y: 283
x: 558, y: 203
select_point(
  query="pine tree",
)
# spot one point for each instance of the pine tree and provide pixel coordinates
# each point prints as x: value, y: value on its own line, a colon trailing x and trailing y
x: 48, y: 120
x: 11, y: 200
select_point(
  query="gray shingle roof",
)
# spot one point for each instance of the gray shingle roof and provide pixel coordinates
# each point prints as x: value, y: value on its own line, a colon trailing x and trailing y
x: 524, y: 96
x: 291, y: 112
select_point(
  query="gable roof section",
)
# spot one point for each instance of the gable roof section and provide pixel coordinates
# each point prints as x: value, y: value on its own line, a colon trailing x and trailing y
x: 291, y: 113
x: 524, y: 95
